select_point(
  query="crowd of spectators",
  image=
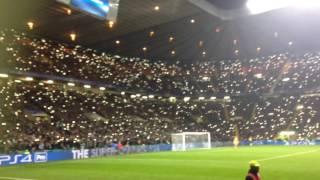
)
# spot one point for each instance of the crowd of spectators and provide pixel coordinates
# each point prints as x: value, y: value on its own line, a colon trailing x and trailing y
x: 262, y: 97
x: 27, y: 54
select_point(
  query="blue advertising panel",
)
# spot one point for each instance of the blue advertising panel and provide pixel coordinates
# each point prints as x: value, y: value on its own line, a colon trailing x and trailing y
x: 42, y: 157
x: 59, y: 155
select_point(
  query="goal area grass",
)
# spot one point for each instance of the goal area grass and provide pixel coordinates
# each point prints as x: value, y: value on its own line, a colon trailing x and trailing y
x: 277, y: 163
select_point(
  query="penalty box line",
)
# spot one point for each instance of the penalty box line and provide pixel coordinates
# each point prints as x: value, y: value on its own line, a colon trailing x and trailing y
x: 12, y: 178
x: 288, y: 155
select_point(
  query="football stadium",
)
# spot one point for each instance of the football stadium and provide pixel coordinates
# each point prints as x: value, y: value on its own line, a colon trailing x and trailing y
x: 159, y: 89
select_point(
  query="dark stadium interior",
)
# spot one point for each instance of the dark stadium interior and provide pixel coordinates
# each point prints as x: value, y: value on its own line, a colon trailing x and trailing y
x: 137, y: 19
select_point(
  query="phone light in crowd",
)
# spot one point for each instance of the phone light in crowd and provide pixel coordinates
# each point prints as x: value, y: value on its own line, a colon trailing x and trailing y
x: 213, y: 98
x: 4, y: 75
x: 71, y: 84
x: 286, y: 79
x: 171, y: 39
x: 73, y: 36
x: 49, y: 81
x: 123, y: 93
x: 258, y: 75
x: 260, y: 6
x: 87, y: 86
x: 258, y: 49
x: 173, y: 52
x: 201, y: 98
x: 30, y: 25
x: 144, y: 49
x: 117, y: 42
x: 151, y: 96
x: 299, y: 107
x: 102, y: 88
x: 186, y: 99
x: 204, y: 53
x: 28, y: 79
x: 17, y: 81
x: 172, y: 99
x: 227, y: 98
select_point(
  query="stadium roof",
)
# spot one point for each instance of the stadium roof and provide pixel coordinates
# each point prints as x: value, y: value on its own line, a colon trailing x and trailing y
x: 179, y: 30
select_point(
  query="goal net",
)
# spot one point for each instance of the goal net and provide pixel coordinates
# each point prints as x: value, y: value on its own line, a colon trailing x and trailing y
x: 190, y: 140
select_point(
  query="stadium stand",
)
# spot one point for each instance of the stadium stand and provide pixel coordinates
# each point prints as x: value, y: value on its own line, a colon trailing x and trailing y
x: 143, y: 102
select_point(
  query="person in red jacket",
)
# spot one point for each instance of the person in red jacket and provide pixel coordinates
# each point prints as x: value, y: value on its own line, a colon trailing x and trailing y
x: 253, y: 173
x: 119, y: 147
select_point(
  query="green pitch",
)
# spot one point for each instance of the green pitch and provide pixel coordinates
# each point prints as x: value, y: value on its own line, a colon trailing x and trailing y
x: 277, y: 163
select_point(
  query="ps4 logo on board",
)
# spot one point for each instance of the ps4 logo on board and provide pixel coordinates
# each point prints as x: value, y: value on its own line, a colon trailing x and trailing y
x: 15, y: 159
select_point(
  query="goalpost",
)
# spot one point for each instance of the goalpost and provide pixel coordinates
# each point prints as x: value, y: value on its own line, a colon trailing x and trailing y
x: 190, y: 140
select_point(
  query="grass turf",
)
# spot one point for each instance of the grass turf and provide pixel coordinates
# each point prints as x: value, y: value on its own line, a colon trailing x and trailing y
x: 277, y: 163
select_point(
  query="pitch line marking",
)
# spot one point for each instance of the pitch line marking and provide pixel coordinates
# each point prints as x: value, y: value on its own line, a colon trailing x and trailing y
x: 12, y: 178
x: 288, y: 155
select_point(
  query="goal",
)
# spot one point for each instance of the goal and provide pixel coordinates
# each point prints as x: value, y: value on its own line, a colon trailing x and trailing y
x: 190, y: 140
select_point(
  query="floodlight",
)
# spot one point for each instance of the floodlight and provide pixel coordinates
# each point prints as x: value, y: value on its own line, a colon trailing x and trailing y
x: 260, y: 6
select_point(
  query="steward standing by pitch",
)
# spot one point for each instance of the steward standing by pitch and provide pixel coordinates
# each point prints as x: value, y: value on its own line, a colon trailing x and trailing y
x: 253, y: 173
